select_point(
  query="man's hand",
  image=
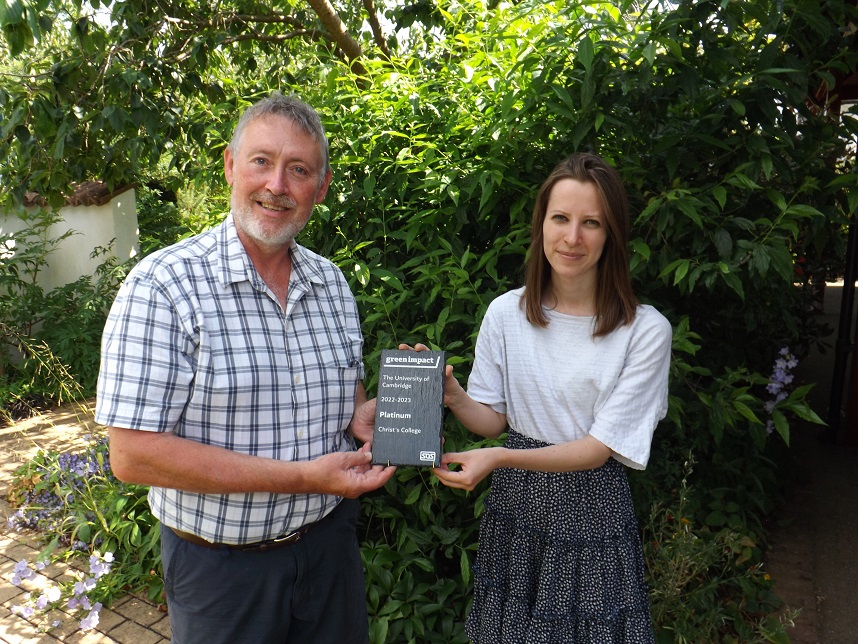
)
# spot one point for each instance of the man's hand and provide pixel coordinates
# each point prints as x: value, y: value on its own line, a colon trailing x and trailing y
x: 347, y: 474
x: 363, y: 421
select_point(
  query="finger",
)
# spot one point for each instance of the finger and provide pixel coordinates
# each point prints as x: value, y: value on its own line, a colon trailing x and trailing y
x: 453, y: 479
x: 405, y: 347
x: 420, y: 347
x: 361, y: 456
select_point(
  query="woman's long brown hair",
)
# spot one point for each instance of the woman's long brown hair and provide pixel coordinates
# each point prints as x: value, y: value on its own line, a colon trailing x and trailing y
x: 615, y: 301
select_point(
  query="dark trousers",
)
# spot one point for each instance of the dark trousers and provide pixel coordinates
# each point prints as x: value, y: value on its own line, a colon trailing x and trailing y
x: 309, y: 591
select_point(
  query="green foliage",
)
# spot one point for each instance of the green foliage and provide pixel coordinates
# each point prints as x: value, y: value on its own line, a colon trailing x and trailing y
x: 717, y: 115
x: 49, y: 346
x: 159, y: 219
x: 705, y: 586
x: 38, y: 381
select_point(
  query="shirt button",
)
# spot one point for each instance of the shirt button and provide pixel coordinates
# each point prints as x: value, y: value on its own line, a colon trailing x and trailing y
x: 297, y: 379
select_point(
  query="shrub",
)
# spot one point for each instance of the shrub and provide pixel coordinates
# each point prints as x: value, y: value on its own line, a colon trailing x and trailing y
x: 705, y: 584
x: 49, y: 340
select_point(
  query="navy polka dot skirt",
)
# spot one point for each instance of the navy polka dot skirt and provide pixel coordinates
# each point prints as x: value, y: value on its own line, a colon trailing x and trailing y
x: 560, y: 559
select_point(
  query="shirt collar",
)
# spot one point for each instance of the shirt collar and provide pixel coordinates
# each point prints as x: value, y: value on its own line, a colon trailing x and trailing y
x: 235, y: 265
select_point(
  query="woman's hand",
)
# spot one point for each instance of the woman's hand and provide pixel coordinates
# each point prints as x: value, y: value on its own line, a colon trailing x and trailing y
x: 474, y: 466
x: 477, y: 417
x: 453, y: 390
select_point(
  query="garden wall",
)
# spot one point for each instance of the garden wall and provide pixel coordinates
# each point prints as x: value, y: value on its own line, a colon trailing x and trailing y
x: 97, y: 217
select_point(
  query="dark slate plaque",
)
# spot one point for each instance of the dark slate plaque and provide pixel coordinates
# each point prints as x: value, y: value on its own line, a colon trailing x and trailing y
x: 409, y: 412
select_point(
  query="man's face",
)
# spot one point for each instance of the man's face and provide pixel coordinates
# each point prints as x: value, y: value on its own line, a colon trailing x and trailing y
x: 277, y: 177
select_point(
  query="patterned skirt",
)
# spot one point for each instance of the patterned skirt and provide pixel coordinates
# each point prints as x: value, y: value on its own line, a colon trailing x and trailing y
x: 559, y: 559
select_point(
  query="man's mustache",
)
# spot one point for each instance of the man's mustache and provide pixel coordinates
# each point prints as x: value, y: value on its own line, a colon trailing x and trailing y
x: 279, y: 201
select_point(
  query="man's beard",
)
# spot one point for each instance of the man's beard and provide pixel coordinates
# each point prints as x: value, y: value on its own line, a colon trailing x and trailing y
x: 273, y: 234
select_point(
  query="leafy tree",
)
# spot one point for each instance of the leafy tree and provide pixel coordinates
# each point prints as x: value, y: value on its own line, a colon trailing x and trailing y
x: 716, y: 114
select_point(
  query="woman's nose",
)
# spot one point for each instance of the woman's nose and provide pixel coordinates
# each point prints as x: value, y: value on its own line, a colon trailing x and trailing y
x: 573, y: 233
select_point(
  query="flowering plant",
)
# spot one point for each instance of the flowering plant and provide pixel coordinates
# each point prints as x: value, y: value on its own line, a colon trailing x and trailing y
x: 80, y: 509
x: 74, y: 593
x: 784, y: 397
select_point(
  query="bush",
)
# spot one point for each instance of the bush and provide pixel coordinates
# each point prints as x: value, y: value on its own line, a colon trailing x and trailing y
x: 705, y: 584
x: 711, y: 112
x: 49, y: 340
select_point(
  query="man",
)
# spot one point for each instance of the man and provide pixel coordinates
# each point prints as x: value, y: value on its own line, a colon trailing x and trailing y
x: 231, y: 383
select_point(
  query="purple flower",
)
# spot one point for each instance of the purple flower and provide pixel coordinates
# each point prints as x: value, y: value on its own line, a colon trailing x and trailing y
x: 21, y: 572
x: 24, y: 611
x: 778, y: 381
x: 90, y: 621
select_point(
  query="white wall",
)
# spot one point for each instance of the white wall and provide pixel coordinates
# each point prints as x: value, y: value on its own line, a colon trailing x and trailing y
x: 95, y: 226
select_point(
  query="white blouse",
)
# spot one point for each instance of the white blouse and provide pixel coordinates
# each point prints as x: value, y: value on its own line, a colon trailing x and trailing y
x: 558, y: 383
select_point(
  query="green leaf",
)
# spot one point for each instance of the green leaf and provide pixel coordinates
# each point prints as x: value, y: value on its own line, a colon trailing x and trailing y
x: 413, y: 495
x: 723, y: 243
x: 464, y: 567
x: 640, y: 247
x: 586, y: 51
x: 720, y: 194
x: 732, y: 280
x: 781, y: 425
x: 361, y: 271
x: 11, y: 12
x: 681, y: 271
x: 803, y: 210
x: 746, y: 412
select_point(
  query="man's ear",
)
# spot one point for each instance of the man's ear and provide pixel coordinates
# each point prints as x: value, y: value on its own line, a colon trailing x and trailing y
x: 228, y: 160
x: 323, y: 188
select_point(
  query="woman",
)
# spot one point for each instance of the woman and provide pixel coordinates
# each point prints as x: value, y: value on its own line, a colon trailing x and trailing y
x: 576, y: 370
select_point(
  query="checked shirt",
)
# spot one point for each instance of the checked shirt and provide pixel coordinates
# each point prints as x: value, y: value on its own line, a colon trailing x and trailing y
x: 197, y: 344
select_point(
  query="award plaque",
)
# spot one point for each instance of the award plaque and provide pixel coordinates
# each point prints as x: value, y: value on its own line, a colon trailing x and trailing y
x: 409, y: 411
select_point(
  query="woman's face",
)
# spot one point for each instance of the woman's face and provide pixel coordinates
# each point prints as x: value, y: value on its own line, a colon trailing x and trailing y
x: 574, y: 231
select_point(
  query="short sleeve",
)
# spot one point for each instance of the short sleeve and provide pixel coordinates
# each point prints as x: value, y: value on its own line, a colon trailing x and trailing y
x: 146, y: 361
x: 486, y: 382
x: 627, y: 419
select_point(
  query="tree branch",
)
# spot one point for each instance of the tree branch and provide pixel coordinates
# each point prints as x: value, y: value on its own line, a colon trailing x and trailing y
x: 377, y: 33
x: 332, y: 22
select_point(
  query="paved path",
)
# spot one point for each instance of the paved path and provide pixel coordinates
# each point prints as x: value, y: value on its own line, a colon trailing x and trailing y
x: 814, y: 545
x: 131, y: 620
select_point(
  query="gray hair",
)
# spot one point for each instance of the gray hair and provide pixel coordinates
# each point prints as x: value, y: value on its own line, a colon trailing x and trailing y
x: 292, y: 108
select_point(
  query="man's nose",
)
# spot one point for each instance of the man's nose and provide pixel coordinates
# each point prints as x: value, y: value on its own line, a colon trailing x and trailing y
x: 277, y: 183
